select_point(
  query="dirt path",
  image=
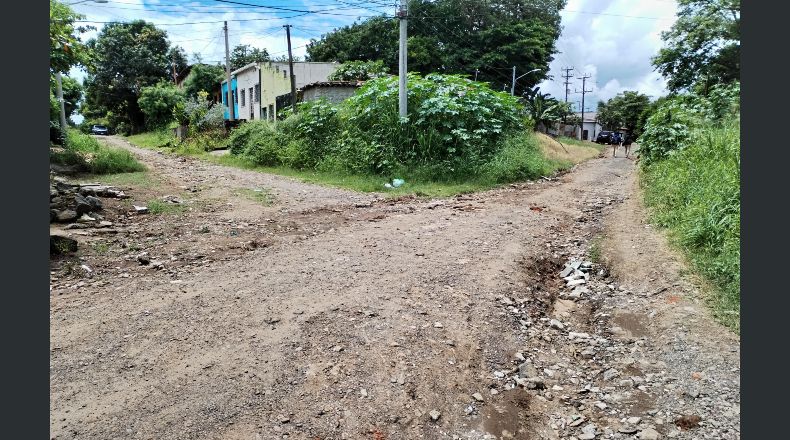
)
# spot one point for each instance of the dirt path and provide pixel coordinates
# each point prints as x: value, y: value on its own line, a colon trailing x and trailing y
x: 333, y: 315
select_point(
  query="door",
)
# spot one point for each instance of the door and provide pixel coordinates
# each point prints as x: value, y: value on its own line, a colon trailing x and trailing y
x: 252, y: 107
x: 585, y: 134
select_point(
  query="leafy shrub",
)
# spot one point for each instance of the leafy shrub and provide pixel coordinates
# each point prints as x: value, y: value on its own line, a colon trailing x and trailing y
x: 519, y: 159
x: 157, y: 103
x: 359, y: 71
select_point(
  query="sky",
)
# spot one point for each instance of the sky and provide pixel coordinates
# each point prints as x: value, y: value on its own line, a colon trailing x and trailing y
x: 609, y: 40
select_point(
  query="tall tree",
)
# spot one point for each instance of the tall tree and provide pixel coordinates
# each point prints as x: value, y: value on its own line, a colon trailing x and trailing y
x: 628, y: 110
x: 244, y: 54
x: 457, y: 36
x: 203, y: 77
x: 703, y: 47
x: 128, y: 57
x: 66, y: 49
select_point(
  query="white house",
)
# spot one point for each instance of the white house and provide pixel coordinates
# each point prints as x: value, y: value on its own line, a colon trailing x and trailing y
x: 590, y: 126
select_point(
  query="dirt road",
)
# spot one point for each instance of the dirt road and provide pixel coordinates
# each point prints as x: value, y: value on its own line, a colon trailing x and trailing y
x: 325, y: 314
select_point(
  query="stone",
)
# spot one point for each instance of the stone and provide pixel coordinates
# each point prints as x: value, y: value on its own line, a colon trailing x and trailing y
x: 85, y: 218
x: 105, y: 224
x: 526, y: 369
x: 144, y: 259
x: 95, y: 203
x: 435, y: 415
x: 438, y: 325
x: 567, y: 271
x: 82, y: 206
x: 578, y: 282
x: 610, y: 374
x: 588, y: 432
x: 499, y: 374
x: 578, y: 421
x: 634, y: 420
x: 557, y: 324
x: 61, y: 245
x: 66, y: 215
x: 600, y: 405
x: 363, y: 392
x: 140, y: 209
x: 648, y: 434
x: 478, y: 397
x: 520, y: 357
x: 588, y: 353
x: 627, y: 429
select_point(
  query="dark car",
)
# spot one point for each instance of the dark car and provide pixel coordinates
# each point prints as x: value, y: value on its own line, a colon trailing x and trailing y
x: 100, y: 129
x: 604, y: 137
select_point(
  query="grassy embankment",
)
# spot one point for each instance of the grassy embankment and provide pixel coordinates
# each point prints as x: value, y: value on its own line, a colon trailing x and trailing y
x: 695, y: 194
x: 541, y: 155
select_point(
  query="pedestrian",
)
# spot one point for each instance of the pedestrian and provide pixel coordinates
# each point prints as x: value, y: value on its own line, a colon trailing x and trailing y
x: 615, y: 143
x: 627, y: 144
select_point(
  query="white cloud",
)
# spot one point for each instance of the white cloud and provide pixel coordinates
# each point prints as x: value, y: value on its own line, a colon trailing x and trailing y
x: 612, y: 41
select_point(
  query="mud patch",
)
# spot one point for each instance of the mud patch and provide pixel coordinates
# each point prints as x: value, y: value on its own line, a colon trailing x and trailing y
x: 542, y: 283
x: 508, y: 417
x: 634, y: 324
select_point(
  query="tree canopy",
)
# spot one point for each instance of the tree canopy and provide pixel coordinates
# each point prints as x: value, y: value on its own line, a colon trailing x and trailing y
x: 358, y: 71
x: 202, y: 77
x: 128, y: 57
x: 158, y: 102
x: 244, y: 54
x: 66, y: 49
x: 628, y: 110
x: 178, y: 58
x: 703, y: 46
x: 456, y: 36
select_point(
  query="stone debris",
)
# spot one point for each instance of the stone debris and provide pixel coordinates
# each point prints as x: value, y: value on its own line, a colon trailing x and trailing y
x: 478, y: 397
x: 435, y: 415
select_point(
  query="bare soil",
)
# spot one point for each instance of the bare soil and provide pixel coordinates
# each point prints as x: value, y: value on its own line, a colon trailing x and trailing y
x: 321, y: 313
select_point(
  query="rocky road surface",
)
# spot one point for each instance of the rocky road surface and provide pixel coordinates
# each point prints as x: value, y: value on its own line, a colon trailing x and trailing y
x: 543, y: 310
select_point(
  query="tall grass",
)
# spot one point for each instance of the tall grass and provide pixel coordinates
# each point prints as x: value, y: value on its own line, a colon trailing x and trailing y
x: 695, y: 192
x: 88, y: 154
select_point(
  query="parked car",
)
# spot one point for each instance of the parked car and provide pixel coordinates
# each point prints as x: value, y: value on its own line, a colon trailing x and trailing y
x: 100, y: 130
x: 604, y: 137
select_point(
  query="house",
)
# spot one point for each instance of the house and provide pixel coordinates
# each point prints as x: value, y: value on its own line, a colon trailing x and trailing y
x: 590, y: 126
x: 260, y: 89
x: 332, y: 91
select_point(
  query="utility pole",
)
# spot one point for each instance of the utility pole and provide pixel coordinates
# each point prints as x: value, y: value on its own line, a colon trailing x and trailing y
x: 291, y: 66
x: 476, y: 72
x: 402, y: 91
x: 567, y: 77
x: 62, y: 105
x: 583, y: 92
x: 231, y: 116
x: 513, y: 83
x: 173, y: 63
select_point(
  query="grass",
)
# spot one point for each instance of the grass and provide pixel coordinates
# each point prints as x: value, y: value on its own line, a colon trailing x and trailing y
x: 573, y: 141
x: 540, y: 153
x: 695, y: 194
x: 161, y: 207
x: 594, y: 251
x: 261, y: 196
x: 152, y: 139
x: 137, y: 179
x: 88, y: 154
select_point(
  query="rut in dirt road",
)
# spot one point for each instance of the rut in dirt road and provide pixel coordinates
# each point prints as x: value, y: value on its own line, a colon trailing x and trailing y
x: 393, y: 326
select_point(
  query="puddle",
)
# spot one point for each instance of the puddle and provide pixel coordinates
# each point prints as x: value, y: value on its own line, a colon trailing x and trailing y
x: 506, y: 417
x: 634, y: 324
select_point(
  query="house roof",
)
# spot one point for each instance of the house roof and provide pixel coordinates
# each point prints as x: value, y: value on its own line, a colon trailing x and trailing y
x: 332, y: 84
x: 588, y: 116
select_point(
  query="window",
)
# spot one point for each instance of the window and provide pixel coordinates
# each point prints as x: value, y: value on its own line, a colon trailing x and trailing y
x: 242, y: 97
x: 257, y: 93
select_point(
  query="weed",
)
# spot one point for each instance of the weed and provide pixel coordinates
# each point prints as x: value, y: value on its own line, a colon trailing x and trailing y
x: 262, y: 196
x: 100, y: 247
x: 594, y: 251
x: 161, y: 207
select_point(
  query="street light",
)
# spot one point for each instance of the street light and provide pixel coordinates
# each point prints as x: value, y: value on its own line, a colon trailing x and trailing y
x: 513, y: 85
x: 85, y: 1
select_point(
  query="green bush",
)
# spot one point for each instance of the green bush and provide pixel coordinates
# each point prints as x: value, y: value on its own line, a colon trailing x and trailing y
x: 519, y: 159
x: 695, y: 192
x: 158, y: 102
x: 359, y: 71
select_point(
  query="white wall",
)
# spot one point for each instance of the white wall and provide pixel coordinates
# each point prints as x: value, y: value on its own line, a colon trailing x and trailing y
x: 593, y: 128
x: 307, y: 73
x: 246, y: 80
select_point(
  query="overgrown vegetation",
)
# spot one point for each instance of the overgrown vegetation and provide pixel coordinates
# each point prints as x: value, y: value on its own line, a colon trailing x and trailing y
x: 691, y: 162
x: 85, y: 152
x: 457, y: 130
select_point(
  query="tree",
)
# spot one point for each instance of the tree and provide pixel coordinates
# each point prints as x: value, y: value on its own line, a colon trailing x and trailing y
x: 629, y: 110
x: 544, y: 109
x: 178, y: 57
x: 703, y: 47
x: 157, y: 103
x: 244, y: 54
x: 65, y: 48
x: 202, y: 77
x: 358, y: 71
x: 128, y: 57
x: 456, y: 36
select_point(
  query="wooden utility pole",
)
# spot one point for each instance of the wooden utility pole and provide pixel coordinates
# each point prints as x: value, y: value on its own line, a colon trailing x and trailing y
x: 231, y: 116
x: 583, y: 92
x: 402, y: 91
x: 291, y: 66
x: 567, y: 82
